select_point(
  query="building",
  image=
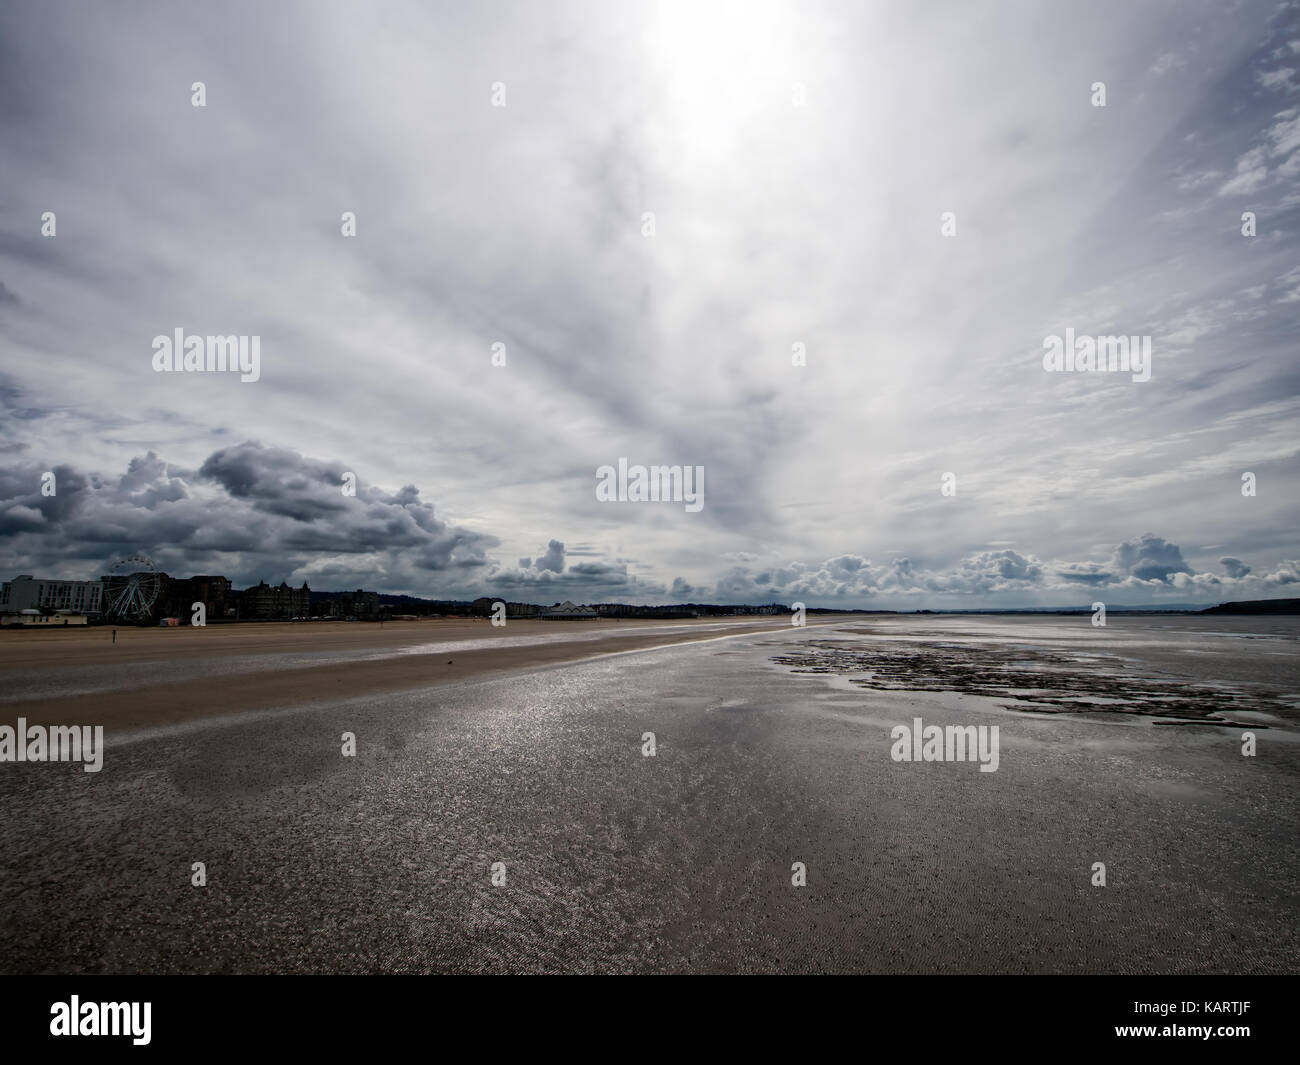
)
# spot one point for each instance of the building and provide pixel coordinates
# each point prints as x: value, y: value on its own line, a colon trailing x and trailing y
x: 566, y: 611
x: 264, y: 601
x: 215, y: 593
x: 357, y: 606
x: 26, y: 592
x: 360, y: 604
x: 32, y: 619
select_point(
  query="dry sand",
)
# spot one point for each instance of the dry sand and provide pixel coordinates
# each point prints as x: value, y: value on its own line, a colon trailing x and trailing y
x: 354, y: 659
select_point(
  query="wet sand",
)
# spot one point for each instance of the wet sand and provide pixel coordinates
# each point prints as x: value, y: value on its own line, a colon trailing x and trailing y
x: 682, y: 862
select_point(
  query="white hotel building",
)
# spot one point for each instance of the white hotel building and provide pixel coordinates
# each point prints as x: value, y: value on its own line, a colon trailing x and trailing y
x: 30, y: 593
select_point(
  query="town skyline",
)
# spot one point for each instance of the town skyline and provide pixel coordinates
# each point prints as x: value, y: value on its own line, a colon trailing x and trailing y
x: 223, y: 600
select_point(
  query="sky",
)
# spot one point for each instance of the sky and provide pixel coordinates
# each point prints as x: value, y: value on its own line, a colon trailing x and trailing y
x: 815, y: 249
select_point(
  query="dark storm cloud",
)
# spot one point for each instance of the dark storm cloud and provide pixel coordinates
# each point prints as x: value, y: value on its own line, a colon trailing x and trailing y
x: 279, y: 481
x: 1234, y: 567
x: 681, y: 589
x: 26, y: 506
x: 248, y: 508
x: 553, y: 560
x: 1086, y: 577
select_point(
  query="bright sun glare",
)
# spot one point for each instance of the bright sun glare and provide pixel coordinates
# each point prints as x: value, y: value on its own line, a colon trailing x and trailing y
x: 719, y: 65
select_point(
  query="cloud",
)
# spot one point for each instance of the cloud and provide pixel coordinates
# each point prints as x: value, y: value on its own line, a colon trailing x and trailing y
x: 1007, y: 565
x: 1279, y: 79
x: 280, y: 481
x: 254, y: 512
x: 1150, y: 558
x: 590, y: 582
x: 1136, y: 564
x: 681, y: 589
x: 24, y: 504
x: 1288, y: 572
x: 1281, y: 139
x: 1251, y: 174
x: 552, y: 560
x: 148, y: 482
x: 1167, y: 62
x: 1085, y: 573
x: 248, y: 509
x: 1234, y: 567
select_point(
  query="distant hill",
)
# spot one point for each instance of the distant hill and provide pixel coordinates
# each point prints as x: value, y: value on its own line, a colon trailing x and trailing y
x: 1111, y: 608
x: 1257, y: 606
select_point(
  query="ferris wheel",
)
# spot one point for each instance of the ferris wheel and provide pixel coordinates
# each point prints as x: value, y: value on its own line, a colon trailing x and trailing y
x: 131, y: 589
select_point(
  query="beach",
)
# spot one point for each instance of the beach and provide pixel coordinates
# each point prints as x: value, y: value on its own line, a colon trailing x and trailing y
x: 161, y: 676
x: 771, y: 749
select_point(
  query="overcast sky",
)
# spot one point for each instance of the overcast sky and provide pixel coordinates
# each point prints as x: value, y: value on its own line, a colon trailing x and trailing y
x: 798, y: 160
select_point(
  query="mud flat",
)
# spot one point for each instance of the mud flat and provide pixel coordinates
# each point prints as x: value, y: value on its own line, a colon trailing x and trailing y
x: 1181, y: 670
